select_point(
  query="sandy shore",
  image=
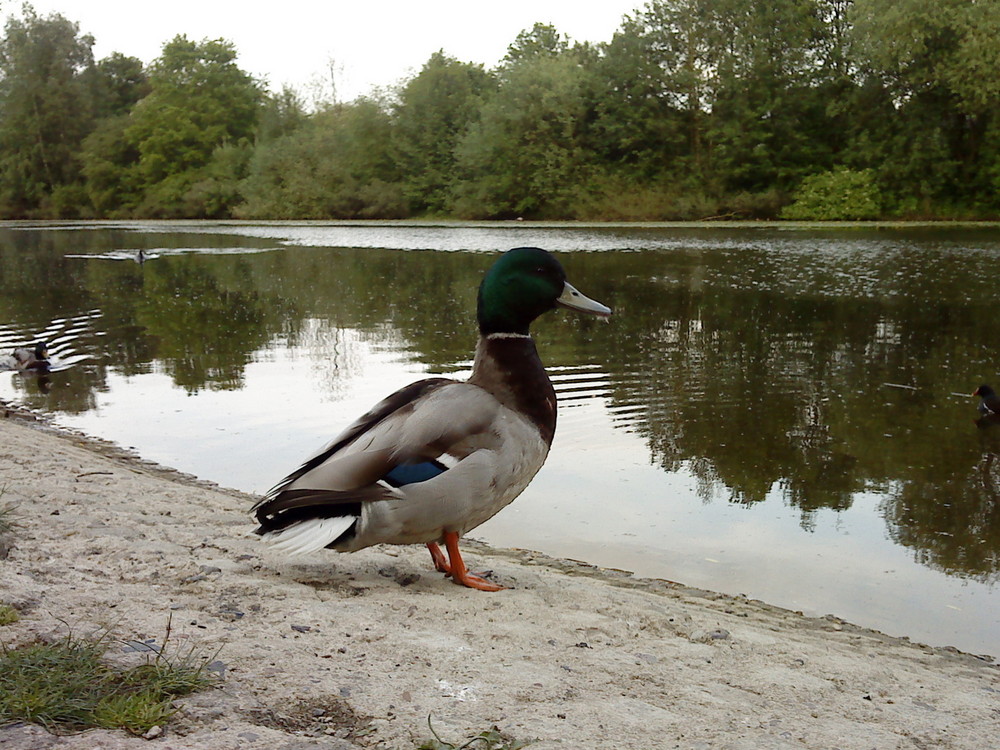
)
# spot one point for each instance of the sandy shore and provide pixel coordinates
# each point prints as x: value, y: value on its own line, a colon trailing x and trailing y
x: 355, y: 651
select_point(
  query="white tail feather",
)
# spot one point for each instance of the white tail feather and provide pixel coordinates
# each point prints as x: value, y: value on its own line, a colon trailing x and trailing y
x: 308, y: 536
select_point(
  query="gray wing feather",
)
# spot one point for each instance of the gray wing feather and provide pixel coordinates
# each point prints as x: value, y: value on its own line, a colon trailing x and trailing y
x: 418, y: 423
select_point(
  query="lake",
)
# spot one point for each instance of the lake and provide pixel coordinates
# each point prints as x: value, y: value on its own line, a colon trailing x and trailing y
x: 774, y: 411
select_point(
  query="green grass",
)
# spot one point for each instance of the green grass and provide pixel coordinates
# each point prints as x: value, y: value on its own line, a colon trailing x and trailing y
x: 8, y: 615
x: 491, y: 739
x: 6, y: 516
x: 68, y: 687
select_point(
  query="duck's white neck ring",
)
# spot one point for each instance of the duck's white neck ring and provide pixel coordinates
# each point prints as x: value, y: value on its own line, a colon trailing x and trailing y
x: 502, y: 335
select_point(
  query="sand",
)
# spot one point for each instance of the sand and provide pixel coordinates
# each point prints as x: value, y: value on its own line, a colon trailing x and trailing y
x: 356, y: 651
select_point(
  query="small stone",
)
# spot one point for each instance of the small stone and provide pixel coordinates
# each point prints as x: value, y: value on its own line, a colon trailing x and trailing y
x: 218, y: 668
x: 301, y: 628
x: 153, y: 733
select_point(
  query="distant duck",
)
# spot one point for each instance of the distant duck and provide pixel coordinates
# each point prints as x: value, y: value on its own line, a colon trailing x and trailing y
x: 989, y: 402
x: 440, y: 456
x: 140, y: 257
x: 29, y: 360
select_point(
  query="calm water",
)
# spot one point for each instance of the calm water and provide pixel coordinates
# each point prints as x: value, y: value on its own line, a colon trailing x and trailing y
x: 773, y: 412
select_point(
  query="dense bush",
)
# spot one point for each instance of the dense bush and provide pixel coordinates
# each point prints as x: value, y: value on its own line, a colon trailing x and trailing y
x: 336, y: 166
x: 838, y: 195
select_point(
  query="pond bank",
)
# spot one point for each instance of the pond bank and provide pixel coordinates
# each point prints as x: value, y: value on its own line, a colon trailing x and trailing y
x: 348, y: 651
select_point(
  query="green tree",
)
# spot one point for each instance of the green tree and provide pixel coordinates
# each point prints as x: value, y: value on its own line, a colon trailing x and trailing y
x: 542, y: 40
x: 281, y: 114
x: 113, y: 185
x: 339, y: 165
x: 526, y: 154
x: 107, y: 156
x: 718, y: 97
x: 766, y: 124
x: 118, y: 83
x: 199, y: 100
x: 45, y: 113
x: 435, y: 110
x: 939, y: 65
x: 658, y: 68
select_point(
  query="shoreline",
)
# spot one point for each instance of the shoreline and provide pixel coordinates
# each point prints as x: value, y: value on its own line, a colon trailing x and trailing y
x: 571, y: 654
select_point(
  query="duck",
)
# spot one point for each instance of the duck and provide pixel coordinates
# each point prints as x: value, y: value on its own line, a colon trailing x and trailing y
x: 438, y: 457
x: 26, y: 359
x: 989, y: 402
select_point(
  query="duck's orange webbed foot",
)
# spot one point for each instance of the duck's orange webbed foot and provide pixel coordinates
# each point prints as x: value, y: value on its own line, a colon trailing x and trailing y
x: 457, y: 570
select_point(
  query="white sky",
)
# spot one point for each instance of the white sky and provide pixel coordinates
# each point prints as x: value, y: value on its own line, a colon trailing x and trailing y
x: 370, y: 43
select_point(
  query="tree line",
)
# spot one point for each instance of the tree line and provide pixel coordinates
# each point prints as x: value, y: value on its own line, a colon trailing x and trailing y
x: 696, y: 109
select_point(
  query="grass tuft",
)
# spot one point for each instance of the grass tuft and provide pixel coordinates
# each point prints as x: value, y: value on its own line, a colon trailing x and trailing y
x: 7, y: 523
x: 491, y: 739
x: 66, y: 686
x: 8, y: 615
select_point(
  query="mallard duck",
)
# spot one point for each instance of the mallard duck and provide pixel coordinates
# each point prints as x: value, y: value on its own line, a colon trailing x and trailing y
x: 438, y: 457
x: 989, y: 402
x: 35, y: 360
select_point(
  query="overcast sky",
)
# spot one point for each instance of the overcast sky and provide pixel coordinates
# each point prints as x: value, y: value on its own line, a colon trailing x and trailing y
x: 370, y: 42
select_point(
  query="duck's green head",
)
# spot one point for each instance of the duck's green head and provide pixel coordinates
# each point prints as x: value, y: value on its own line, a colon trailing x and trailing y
x: 524, y: 283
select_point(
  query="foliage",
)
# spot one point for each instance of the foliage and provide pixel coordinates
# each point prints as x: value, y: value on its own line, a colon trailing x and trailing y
x: 118, y: 83
x: 339, y: 165
x: 281, y: 114
x: 8, y: 615
x: 45, y: 110
x: 542, y: 40
x: 199, y: 101
x: 67, y: 686
x: 107, y: 157
x: 524, y: 156
x: 938, y: 64
x: 6, y: 516
x: 838, y: 195
x: 435, y: 111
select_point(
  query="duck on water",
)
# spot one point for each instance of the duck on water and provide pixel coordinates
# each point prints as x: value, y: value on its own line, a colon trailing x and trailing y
x: 29, y: 359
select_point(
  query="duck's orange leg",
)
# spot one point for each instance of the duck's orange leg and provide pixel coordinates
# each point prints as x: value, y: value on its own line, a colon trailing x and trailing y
x: 440, y: 564
x: 459, y: 573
